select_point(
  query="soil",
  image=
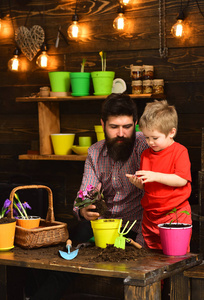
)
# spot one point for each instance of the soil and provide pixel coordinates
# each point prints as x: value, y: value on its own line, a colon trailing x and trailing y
x: 179, y: 225
x: 7, y: 220
x: 113, y: 254
x: 101, y: 207
x: 89, y: 253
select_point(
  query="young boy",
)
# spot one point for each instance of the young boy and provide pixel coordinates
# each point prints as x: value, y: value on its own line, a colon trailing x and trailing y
x: 164, y: 173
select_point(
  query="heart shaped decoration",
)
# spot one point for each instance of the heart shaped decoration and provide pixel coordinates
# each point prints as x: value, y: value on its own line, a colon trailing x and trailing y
x: 30, y: 41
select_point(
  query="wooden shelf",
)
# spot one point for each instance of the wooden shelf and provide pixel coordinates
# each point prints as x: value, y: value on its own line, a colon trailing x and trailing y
x: 52, y: 157
x: 49, y: 122
x: 70, y: 98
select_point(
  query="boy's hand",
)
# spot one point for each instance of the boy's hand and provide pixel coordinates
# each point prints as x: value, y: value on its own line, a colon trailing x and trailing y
x: 147, y: 176
x: 137, y: 181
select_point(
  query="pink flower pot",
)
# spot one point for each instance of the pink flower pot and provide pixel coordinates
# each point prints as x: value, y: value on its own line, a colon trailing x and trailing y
x: 175, y: 241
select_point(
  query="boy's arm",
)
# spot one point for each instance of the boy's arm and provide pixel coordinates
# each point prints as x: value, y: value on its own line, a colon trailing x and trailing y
x: 167, y: 179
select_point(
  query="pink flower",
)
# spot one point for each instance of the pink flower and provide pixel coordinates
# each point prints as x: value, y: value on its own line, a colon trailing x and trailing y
x: 89, y: 187
x: 81, y: 195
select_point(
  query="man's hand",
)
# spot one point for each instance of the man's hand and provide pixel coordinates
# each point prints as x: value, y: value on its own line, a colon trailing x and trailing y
x: 137, y: 181
x: 89, y: 215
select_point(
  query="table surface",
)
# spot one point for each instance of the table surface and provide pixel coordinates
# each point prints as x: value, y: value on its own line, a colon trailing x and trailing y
x: 143, y: 271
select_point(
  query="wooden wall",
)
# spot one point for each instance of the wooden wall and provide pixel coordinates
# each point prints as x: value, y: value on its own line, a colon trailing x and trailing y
x: 182, y: 71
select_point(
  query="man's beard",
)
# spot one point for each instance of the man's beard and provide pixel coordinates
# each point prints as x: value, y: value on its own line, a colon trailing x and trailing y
x: 120, y: 151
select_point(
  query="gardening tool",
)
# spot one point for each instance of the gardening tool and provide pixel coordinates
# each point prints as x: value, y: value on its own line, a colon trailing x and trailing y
x: 131, y: 242
x: 120, y: 240
x: 69, y: 255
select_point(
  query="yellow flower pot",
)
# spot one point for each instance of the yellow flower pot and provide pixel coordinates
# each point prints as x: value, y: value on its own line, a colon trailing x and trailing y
x: 105, y: 231
x: 7, y: 233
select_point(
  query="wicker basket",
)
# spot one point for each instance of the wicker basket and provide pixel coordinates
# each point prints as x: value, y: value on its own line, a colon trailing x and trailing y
x: 48, y: 233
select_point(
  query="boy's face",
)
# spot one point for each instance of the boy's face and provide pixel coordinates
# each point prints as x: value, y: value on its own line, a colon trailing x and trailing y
x: 157, y: 140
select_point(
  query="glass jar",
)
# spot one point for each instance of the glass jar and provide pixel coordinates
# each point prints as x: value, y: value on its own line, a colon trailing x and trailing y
x: 158, y: 86
x: 148, y: 72
x: 137, y: 87
x: 136, y: 72
x: 147, y: 86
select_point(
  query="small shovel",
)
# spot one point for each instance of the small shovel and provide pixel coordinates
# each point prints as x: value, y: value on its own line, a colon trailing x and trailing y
x: 69, y: 255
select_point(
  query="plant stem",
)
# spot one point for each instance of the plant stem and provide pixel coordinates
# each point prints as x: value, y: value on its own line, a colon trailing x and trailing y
x: 23, y: 209
x: 14, y: 204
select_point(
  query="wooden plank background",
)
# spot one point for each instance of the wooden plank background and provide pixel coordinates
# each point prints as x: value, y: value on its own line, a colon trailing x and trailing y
x: 182, y: 71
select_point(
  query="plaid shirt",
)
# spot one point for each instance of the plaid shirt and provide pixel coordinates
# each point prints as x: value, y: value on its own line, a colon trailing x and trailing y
x: 123, y: 199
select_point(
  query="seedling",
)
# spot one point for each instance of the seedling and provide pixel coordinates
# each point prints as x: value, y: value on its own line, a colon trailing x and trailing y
x: 83, y: 64
x: 174, y: 210
x: 103, y: 60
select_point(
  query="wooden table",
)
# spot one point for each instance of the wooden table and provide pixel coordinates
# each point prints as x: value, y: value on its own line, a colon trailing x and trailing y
x: 141, y: 278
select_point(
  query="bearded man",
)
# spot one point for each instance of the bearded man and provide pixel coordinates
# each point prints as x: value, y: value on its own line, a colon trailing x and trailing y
x: 107, y: 163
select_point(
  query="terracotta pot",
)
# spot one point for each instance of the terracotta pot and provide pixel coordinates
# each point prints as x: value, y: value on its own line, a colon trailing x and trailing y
x: 7, y: 233
x: 32, y: 222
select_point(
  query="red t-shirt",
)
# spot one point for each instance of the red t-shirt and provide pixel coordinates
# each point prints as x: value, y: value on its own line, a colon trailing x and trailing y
x: 172, y: 160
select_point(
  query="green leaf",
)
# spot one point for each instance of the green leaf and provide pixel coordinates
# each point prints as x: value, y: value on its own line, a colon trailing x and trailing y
x: 185, y: 212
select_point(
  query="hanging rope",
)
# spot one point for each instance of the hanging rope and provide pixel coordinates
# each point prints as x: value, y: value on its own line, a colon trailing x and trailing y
x: 163, y: 50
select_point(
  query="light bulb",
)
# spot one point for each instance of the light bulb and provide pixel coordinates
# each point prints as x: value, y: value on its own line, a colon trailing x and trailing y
x: 13, y: 63
x: 124, y: 2
x: 119, y: 22
x: 74, y: 30
x: 177, y: 29
x: 42, y: 60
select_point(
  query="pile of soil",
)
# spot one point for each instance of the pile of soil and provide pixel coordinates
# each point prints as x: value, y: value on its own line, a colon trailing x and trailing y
x: 113, y: 254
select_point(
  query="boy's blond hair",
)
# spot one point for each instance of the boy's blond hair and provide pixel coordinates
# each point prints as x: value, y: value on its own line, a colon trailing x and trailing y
x: 159, y: 115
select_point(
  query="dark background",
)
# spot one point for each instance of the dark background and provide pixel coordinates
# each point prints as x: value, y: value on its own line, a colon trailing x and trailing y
x: 182, y: 71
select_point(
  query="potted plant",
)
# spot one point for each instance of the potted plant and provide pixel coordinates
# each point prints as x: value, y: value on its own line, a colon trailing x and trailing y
x: 92, y: 195
x: 7, y: 228
x: 105, y: 230
x: 80, y: 81
x: 102, y: 80
x: 175, y: 236
x: 22, y: 218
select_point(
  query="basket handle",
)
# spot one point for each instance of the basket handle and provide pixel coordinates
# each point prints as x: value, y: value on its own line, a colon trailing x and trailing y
x: 50, y: 212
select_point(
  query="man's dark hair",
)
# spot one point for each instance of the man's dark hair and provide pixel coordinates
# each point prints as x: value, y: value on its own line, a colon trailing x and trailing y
x: 118, y: 105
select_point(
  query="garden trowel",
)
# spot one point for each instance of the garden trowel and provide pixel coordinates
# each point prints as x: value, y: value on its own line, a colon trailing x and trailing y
x: 69, y: 255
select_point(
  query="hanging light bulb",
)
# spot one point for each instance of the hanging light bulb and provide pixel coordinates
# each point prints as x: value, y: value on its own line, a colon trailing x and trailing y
x: 177, y: 29
x: 43, y: 59
x: 74, y: 29
x: 14, y: 63
x: 124, y: 2
x: 120, y: 20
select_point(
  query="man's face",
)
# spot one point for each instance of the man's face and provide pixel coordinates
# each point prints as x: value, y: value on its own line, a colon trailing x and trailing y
x: 120, y: 136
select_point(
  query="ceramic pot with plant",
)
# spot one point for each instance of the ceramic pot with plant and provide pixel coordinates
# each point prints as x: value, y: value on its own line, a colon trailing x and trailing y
x: 22, y: 218
x: 102, y: 80
x: 80, y: 81
x: 175, y: 236
x: 7, y: 228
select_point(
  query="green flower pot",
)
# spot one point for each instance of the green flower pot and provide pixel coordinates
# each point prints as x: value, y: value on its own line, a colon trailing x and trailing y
x: 80, y: 83
x: 102, y: 82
